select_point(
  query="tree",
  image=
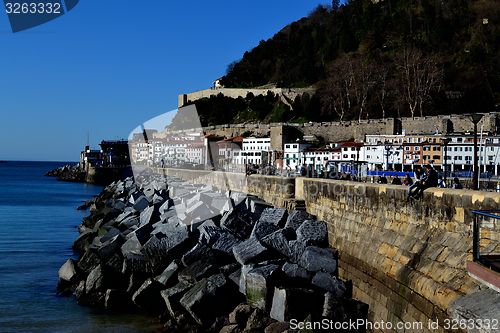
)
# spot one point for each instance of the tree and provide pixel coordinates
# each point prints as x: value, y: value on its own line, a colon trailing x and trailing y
x: 420, y: 76
x: 362, y: 72
x: 348, y: 85
x: 336, y: 93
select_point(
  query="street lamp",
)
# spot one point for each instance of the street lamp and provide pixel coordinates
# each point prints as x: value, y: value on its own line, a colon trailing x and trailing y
x: 387, y: 153
x: 475, y: 117
x: 445, y: 141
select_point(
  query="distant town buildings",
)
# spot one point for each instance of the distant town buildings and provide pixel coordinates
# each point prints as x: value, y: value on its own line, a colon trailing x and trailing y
x: 379, y: 152
x: 112, y: 154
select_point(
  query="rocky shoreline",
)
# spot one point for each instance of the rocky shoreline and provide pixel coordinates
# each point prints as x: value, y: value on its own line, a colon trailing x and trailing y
x: 68, y: 173
x: 205, y: 261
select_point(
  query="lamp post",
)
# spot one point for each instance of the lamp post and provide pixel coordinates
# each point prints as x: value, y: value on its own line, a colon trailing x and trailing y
x: 445, y: 141
x: 387, y: 150
x: 476, y: 117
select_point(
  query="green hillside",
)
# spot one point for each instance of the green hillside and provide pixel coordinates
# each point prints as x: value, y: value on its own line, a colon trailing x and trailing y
x: 372, y: 60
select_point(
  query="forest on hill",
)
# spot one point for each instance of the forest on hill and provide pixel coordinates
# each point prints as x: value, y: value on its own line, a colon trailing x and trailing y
x: 371, y: 59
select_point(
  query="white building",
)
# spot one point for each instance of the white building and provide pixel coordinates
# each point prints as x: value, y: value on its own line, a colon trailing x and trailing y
x: 318, y: 158
x: 252, y: 150
x: 460, y: 153
x: 294, y: 154
x: 194, y: 153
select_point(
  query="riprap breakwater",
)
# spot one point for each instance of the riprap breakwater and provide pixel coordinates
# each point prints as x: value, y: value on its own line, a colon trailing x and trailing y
x: 206, y: 260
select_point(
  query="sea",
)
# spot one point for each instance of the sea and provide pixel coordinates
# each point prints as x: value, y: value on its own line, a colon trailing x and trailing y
x: 38, y: 224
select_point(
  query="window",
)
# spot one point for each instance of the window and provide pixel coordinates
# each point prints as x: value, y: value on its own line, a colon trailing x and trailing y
x: 294, y: 146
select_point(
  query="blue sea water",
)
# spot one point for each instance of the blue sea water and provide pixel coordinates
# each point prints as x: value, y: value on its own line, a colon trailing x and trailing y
x: 38, y: 224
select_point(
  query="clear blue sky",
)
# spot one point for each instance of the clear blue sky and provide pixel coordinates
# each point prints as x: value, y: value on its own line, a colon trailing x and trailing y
x: 107, y: 66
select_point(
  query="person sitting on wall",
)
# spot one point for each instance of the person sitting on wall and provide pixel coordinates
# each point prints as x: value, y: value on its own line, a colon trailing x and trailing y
x: 441, y: 183
x: 396, y: 180
x: 419, y: 177
x: 429, y: 180
x: 407, y: 181
x: 382, y: 180
x: 456, y: 184
x: 303, y: 170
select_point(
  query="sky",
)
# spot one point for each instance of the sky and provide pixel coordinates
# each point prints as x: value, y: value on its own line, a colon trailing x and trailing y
x: 107, y: 66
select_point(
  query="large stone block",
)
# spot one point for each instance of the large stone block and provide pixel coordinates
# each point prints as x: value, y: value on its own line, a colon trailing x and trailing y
x: 315, y: 259
x: 68, y: 271
x: 259, y: 286
x: 295, y: 303
x: 225, y: 243
x: 131, y: 245
x: 88, y: 261
x: 329, y: 283
x: 295, y: 272
x: 278, y: 241
x: 296, y: 218
x: 313, y: 233
x: 172, y: 296
x: 110, y: 247
x: 168, y: 275
x: 197, y: 270
x: 249, y: 251
x: 262, y: 229
x: 116, y: 300
x: 237, y: 222
x: 207, y: 299
x: 148, y: 297
x: 343, y: 309
x: 274, y: 215
x: 135, y: 263
x: 95, y: 280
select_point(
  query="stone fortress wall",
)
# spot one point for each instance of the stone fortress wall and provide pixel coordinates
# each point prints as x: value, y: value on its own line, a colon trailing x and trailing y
x: 289, y: 93
x: 338, y: 131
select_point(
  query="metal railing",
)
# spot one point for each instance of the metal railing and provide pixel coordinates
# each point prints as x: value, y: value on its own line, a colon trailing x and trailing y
x: 486, y: 228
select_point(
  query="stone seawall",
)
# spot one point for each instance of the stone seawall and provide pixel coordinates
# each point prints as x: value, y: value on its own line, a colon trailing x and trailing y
x: 407, y: 260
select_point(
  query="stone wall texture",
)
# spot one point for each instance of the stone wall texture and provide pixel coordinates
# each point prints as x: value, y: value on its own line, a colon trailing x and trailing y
x: 407, y: 260
x: 288, y: 93
x: 338, y: 131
